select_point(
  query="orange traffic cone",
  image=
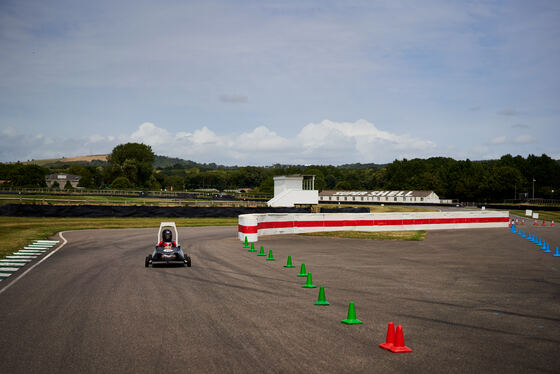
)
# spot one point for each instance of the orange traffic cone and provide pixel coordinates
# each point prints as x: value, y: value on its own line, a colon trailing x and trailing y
x: 552, y: 223
x: 398, y: 345
x: 517, y: 221
x: 543, y: 223
x: 390, y: 339
x: 523, y: 221
x: 535, y: 224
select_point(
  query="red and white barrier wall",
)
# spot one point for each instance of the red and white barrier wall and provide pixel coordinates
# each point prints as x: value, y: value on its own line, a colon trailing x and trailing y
x: 253, y: 225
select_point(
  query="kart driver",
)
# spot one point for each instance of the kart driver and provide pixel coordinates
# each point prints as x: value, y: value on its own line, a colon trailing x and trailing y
x: 167, y: 241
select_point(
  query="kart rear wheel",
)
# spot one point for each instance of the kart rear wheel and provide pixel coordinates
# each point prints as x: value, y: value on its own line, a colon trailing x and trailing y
x: 188, y: 261
x: 148, y: 260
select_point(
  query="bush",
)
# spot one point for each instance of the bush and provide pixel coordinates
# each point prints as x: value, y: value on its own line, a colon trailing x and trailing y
x: 121, y: 183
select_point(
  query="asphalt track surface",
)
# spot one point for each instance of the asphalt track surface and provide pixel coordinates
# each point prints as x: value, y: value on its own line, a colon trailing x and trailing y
x: 469, y: 301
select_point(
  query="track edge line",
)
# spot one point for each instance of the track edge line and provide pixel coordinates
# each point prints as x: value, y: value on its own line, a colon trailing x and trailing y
x: 37, y: 264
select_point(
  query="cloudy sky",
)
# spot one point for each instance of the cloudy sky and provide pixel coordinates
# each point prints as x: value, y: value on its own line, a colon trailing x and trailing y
x: 260, y: 82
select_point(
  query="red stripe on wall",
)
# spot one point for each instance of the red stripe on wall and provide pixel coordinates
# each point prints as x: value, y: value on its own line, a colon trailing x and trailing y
x: 247, y: 229
x: 276, y: 225
x: 379, y: 222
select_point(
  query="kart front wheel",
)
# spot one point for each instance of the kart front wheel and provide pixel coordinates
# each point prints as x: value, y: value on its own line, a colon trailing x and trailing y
x: 148, y: 260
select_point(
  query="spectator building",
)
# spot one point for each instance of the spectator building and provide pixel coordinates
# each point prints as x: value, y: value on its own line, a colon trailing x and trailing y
x: 408, y: 197
x: 62, y: 179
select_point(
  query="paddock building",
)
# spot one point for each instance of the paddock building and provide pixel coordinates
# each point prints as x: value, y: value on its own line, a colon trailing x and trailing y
x: 62, y: 179
x: 409, y: 197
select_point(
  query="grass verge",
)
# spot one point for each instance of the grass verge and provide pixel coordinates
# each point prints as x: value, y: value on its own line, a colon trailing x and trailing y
x: 381, y: 235
x: 546, y: 215
x: 17, y: 232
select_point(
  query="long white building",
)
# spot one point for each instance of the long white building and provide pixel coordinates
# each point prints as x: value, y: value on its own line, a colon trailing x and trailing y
x: 409, y: 197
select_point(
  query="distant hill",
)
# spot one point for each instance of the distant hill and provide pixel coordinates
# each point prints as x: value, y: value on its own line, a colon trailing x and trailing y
x: 92, y: 160
x: 161, y: 162
x: 362, y: 166
x: 164, y: 162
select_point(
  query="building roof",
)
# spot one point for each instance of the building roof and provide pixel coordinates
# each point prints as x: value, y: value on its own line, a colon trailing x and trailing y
x: 63, y: 176
x: 294, y: 176
x: 407, y: 193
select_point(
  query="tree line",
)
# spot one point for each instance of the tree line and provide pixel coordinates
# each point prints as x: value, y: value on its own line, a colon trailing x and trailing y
x: 131, y: 166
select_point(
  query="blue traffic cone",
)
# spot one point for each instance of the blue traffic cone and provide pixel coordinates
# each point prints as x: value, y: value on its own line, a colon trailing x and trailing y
x: 543, y: 245
x: 519, y: 232
x: 529, y: 236
x: 547, y: 248
x: 557, y: 254
x: 523, y: 235
x: 540, y: 241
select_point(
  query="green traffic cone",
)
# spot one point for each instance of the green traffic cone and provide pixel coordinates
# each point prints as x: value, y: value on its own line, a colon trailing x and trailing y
x: 309, y: 283
x: 246, y: 244
x: 289, y: 263
x: 270, y: 257
x: 261, y: 253
x: 321, y: 300
x: 302, y: 272
x: 252, y: 249
x: 351, y: 318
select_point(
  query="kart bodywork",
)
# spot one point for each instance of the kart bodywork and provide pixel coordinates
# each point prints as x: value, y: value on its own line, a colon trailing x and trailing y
x: 168, y: 254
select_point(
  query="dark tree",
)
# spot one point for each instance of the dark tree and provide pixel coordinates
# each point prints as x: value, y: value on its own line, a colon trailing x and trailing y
x: 133, y: 161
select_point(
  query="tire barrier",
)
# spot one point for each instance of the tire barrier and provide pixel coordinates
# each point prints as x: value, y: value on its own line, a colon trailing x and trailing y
x: 252, y: 225
x: 345, y: 210
x: 30, y: 210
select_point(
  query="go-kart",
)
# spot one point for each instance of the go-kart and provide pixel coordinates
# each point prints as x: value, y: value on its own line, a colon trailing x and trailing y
x: 168, y: 253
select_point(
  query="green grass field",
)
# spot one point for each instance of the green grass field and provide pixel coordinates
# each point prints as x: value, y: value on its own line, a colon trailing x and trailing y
x: 546, y: 215
x: 385, y: 235
x: 17, y: 232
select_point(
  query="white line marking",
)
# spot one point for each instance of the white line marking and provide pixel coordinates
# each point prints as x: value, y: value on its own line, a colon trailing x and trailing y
x: 31, y: 251
x: 47, y: 241
x: 20, y: 256
x: 9, y: 269
x: 16, y: 260
x: 13, y: 263
x: 4, y: 275
x: 25, y: 253
x: 34, y: 265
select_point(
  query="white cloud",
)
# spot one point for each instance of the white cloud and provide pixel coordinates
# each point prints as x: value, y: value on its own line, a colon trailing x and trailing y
x: 149, y: 133
x: 205, y: 136
x: 524, y: 139
x: 8, y: 132
x: 498, y: 140
x: 324, y: 142
x: 363, y: 140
